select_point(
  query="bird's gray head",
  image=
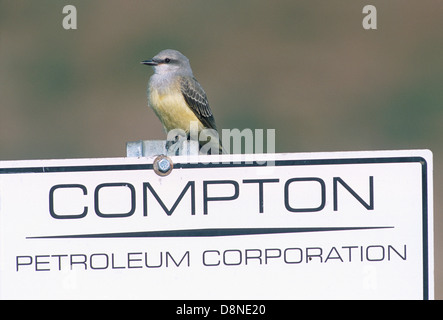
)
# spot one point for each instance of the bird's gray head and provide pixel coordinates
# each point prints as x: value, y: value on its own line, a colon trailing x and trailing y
x: 170, y: 61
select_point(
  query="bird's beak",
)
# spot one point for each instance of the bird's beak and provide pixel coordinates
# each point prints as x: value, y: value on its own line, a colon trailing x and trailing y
x: 149, y: 62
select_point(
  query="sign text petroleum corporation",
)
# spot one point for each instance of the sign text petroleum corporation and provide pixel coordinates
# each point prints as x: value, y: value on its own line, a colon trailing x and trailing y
x: 308, y: 226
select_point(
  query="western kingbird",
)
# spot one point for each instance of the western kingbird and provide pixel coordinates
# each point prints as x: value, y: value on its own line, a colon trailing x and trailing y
x: 176, y: 96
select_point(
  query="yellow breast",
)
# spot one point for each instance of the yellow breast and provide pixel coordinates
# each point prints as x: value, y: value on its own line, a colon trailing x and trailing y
x: 172, y: 110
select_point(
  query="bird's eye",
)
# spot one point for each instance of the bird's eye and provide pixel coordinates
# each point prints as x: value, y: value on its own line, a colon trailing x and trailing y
x: 167, y: 60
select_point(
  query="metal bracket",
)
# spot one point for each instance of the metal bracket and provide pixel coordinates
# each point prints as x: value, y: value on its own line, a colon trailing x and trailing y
x: 149, y: 148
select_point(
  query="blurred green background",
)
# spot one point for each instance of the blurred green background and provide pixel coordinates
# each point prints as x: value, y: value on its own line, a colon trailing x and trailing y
x: 305, y: 68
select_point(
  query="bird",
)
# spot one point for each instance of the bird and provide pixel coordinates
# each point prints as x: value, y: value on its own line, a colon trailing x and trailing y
x: 178, y: 99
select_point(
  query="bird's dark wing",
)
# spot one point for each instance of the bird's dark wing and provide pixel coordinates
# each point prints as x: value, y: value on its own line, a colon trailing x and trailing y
x: 196, y: 98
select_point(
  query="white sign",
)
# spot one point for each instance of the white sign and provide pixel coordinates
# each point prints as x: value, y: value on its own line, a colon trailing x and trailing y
x: 320, y: 225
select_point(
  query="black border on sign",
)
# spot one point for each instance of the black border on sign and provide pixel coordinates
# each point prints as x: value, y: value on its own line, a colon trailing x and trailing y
x: 123, y: 167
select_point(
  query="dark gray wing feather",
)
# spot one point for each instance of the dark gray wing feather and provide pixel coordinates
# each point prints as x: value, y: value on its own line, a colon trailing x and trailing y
x: 196, y: 98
